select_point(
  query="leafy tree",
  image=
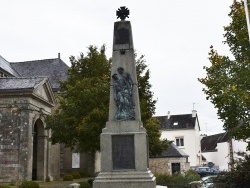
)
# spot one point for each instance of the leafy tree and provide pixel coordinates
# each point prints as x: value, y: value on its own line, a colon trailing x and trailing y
x: 227, y: 80
x: 237, y: 177
x: 147, y: 105
x: 83, y: 109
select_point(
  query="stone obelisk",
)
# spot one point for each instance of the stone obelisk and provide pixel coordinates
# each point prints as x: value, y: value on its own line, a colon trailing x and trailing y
x: 124, y: 148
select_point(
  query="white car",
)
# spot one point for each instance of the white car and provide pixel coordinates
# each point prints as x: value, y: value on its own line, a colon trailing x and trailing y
x: 207, y: 181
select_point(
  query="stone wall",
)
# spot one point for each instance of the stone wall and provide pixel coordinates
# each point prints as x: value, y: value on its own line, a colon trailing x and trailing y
x: 17, y: 118
x: 163, y: 165
x: 86, y: 162
x: 14, y: 122
x: 54, y: 162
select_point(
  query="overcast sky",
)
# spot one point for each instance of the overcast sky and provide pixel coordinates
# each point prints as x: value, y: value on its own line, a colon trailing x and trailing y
x: 174, y: 36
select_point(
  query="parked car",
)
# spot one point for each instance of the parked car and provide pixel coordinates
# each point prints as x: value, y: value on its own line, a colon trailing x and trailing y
x: 207, y: 182
x: 206, y: 171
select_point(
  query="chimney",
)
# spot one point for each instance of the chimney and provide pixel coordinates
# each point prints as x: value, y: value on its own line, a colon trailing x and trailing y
x: 168, y: 114
x: 194, y: 112
x: 59, y: 56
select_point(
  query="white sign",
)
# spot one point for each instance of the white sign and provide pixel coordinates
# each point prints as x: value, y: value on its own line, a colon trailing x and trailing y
x: 75, y: 160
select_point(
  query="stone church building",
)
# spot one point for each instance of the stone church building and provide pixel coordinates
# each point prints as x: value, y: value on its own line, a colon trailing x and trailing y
x: 27, y: 96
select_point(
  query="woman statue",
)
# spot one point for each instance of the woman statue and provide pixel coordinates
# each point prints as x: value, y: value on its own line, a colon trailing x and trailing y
x: 123, y: 86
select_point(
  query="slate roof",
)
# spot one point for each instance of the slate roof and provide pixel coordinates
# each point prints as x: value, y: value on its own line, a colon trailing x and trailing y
x: 54, y: 69
x: 14, y: 84
x: 183, y: 121
x: 5, y: 65
x: 173, y: 151
x: 209, y: 143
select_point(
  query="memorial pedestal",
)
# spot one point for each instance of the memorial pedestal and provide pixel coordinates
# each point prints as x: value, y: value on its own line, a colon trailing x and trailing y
x: 127, y: 179
x: 124, y: 157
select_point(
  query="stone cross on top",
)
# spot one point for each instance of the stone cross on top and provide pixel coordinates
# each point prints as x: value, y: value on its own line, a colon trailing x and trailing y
x: 122, y: 13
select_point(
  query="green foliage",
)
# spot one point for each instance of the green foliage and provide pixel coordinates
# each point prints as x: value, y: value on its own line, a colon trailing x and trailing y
x: 147, y: 105
x: 83, y: 109
x: 84, y: 184
x: 12, y: 183
x: 4, y: 186
x: 29, y: 184
x: 227, y: 81
x: 156, y: 146
x: 76, y: 175
x: 161, y: 179
x: 238, y: 176
x: 84, y: 174
x: 191, y: 175
x: 177, y: 180
x: 90, y: 181
x: 68, y: 177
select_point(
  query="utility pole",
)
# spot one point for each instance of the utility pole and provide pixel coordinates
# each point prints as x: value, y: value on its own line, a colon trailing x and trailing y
x: 247, y: 18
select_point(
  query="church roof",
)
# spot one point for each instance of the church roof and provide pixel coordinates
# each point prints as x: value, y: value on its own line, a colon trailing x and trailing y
x: 54, y: 69
x: 5, y: 66
x: 14, y: 84
x: 174, y: 122
x: 209, y: 143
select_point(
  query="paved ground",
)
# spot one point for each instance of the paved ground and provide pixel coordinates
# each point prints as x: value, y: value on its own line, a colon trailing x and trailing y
x: 57, y: 184
x: 65, y: 184
x: 60, y: 183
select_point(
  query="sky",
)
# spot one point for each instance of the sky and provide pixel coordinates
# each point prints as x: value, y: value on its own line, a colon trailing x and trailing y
x: 174, y: 36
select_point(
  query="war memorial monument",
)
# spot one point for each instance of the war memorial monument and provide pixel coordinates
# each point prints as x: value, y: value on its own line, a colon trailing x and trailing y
x: 124, y: 145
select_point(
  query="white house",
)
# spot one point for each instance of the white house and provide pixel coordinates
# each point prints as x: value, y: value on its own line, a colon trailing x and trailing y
x: 184, y: 130
x: 220, y: 150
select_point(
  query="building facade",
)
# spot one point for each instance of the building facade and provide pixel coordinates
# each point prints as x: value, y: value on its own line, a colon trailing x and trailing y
x: 221, y: 150
x: 27, y: 96
x: 184, y: 131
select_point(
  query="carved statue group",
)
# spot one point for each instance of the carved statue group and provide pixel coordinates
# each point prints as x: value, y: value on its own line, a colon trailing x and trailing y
x: 123, y: 90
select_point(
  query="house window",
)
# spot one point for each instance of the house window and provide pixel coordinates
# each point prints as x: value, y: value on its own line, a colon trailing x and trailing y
x: 179, y: 141
x: 176, y: 168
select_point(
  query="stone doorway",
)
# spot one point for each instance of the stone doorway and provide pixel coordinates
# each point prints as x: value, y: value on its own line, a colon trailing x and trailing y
x: 39, y: 146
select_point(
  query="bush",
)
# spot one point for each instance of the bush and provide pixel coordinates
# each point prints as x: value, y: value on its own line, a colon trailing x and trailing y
x: 238, y: 176
x: 191, y: 175
x: 177, y: 180
x: 76, y: 175
x: 90, y: 181
x: 29, y: 184
x: 84, y: 174
x: 84, y: 184
x: 68, y: 177
x: 161, y: 179
x: 4, y: 186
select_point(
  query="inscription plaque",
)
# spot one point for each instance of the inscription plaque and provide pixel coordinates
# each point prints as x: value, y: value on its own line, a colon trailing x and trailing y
x: 123, y: 152
x: 122, y: 36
